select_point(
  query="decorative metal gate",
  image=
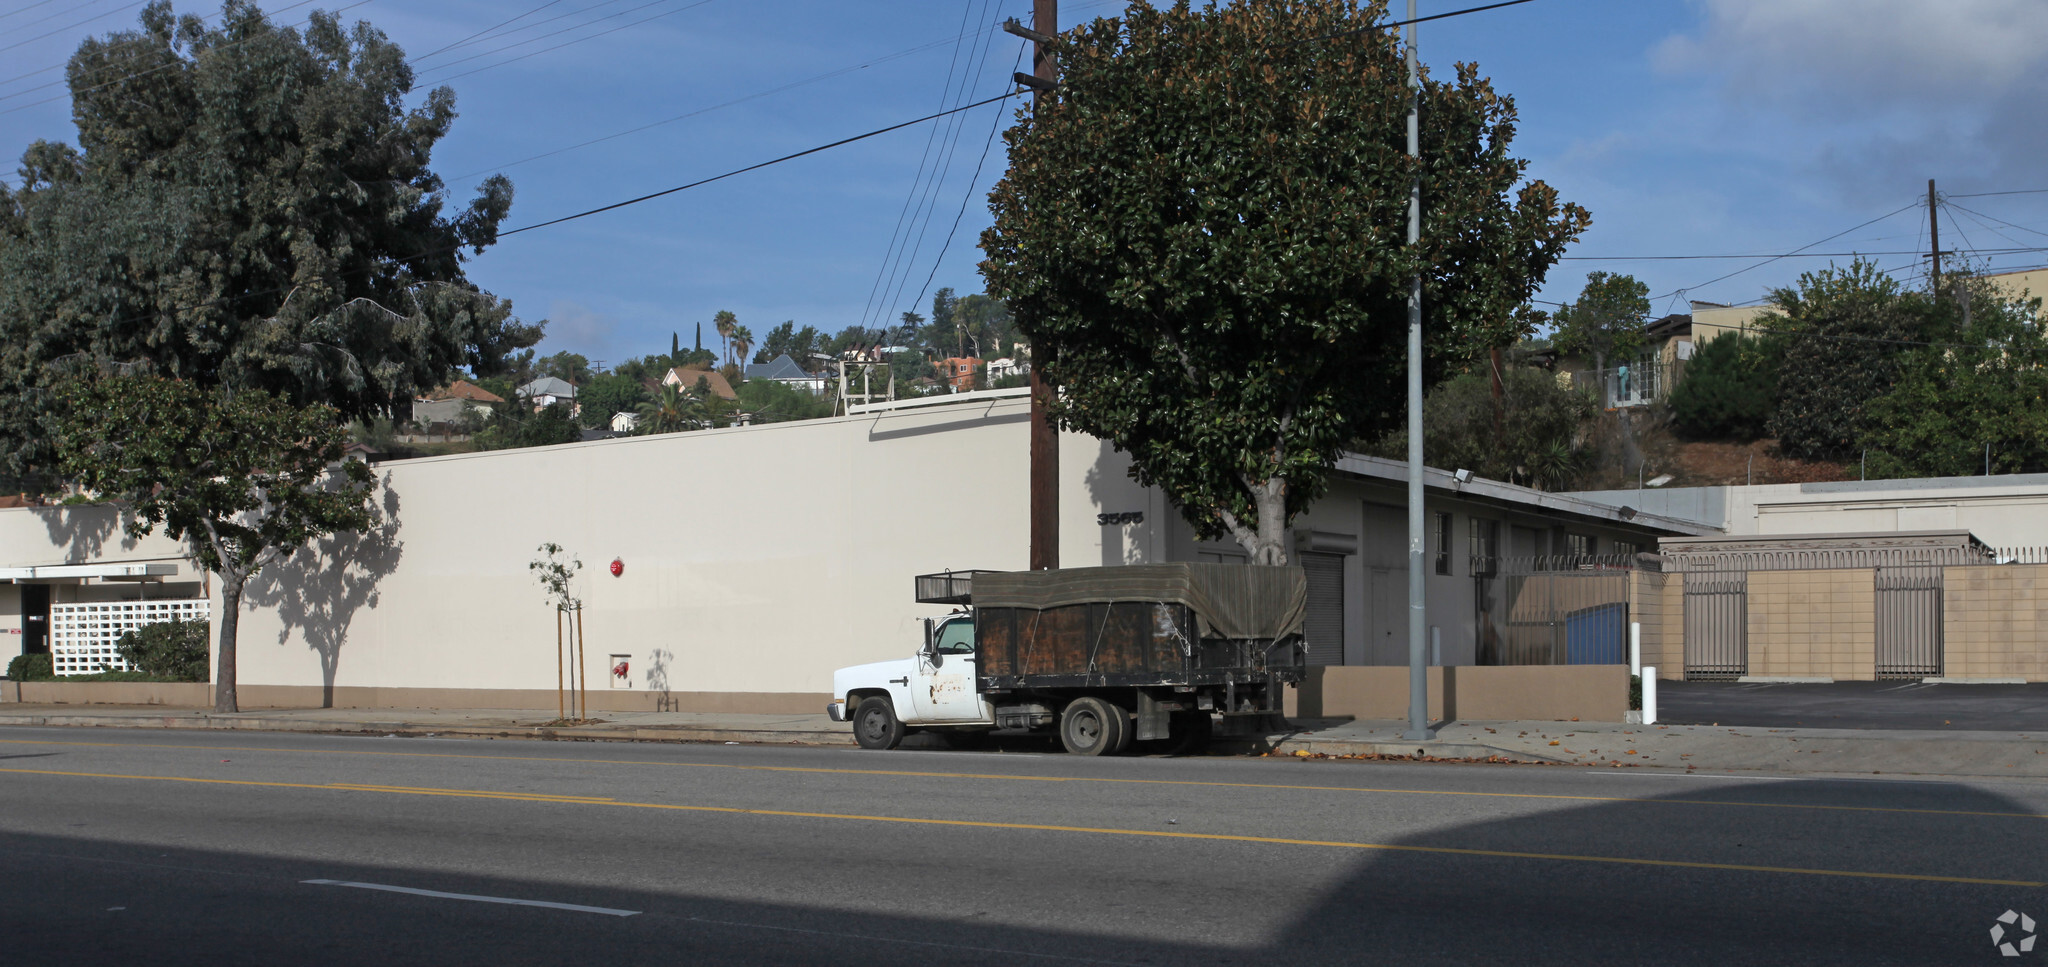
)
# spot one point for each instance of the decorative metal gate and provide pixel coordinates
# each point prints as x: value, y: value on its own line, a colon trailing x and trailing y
x: 1716, y: 625
x: 1908, y: 622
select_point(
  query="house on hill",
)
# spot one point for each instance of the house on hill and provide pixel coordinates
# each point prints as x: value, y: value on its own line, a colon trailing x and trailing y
x: 547, y: 391
x: 447, y: 404
x: 784, y: 370
x: 686, y: 380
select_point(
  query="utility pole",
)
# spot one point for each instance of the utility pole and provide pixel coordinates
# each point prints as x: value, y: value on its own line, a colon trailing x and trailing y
x: 1045, y: 454
x: 1933, y: 240
x: 1418, y: 620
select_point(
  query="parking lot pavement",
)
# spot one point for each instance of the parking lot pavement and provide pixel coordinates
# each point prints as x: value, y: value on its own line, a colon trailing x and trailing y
x: 1855, y: 705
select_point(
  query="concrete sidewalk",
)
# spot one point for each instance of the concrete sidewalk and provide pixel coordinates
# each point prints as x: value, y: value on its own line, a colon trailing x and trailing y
x: 1713, y: 748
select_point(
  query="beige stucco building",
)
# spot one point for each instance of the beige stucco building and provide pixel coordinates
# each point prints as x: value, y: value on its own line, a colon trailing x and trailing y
x: 755, y: 560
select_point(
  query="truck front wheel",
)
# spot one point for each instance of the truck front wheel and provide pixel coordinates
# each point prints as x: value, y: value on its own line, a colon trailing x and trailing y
x: 1092, y: 726
x: 875, y: 725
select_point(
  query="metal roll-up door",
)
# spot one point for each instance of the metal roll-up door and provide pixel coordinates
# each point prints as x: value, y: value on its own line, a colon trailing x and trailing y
x: 1324, y: 624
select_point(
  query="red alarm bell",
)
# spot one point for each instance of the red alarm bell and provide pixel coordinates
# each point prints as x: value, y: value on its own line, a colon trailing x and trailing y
x: 618, y: 567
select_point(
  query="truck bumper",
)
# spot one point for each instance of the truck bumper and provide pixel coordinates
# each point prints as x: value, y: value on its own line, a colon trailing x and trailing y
x: 837, y: 711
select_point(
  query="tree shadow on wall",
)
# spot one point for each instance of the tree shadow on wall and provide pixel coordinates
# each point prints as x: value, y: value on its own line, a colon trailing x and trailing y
x: 657, y: 680
x: 81, y: 530
x: 318, y: 590
x: 1107, y: 490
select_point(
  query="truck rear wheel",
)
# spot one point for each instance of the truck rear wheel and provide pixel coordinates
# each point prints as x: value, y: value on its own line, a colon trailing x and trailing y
x: 875, y: 725
x: 1092, y: 726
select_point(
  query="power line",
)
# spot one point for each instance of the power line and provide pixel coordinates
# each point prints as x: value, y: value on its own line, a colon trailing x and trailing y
x: 882, y: 59
x: 510, y: 60
x: 929, y: 204
x: 885, y: 271
x: 1795, y: 251
x: 179, y: 62
x: 66, y: 27
x: 130, y: 57
x: 2001, y: 221
x: 532, y: 26
x: 490, y: 29
x: 1399, y: 23
x: 995, y: 124
x: 28, y: 7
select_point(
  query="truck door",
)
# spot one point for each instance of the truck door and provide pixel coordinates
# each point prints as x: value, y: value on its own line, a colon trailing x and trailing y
x: 942, y: 688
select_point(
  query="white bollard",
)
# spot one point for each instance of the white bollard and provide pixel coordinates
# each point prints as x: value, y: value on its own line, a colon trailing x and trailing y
x: 1650, y: 696
x: 1635, y: 648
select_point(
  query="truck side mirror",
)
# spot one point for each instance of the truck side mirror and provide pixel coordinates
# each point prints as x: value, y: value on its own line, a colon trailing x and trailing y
x: 929, y: 636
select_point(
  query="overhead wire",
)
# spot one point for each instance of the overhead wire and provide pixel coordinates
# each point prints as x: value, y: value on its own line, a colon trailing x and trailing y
x: 59, y: 30
x: 487, y: 30
x: 67, y: 62
x: 995, y: 124
x: 878, y: 292
x: 445, y: 78
x: 144, y: 73
x: 929, y: 204
x: 18, y: 11
x: 1802, y: 248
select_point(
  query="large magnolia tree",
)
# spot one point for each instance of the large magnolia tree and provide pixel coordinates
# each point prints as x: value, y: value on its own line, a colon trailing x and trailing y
x: 1203, y: 237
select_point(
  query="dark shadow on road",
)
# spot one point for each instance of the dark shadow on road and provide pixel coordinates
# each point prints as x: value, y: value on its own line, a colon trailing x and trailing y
x: 318, y: 591
x: 1427, y: 899
x: 1856, y: 705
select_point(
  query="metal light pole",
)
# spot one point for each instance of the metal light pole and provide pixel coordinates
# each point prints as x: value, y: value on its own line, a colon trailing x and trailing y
x: 1418, y: 621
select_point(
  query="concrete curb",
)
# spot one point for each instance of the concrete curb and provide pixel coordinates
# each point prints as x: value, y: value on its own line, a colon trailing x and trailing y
x: 208, y: 723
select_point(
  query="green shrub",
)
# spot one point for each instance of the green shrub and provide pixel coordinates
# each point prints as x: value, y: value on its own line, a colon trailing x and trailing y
x: 31, y: 668
x: 168, y: 650
x: 1635, y: 693
x: 1730, y: 389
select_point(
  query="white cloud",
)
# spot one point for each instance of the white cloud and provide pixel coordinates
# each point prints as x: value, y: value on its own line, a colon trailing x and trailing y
x: 1875, y: 96
x: 1920, y: 50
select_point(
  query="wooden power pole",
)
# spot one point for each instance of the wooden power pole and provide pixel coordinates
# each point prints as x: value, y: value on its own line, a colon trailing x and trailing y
x: 1933, y: 240
x: 1045, y: 453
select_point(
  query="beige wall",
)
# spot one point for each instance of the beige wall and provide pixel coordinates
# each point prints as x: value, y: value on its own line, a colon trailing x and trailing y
x: 1813, y: 624
x: 1589, y: 693
x: 1657, y: 603
x: 1994, y: 621
x: 1710, y: 322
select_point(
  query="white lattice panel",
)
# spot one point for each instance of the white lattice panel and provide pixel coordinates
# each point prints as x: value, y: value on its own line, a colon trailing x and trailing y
x: 82, y: 635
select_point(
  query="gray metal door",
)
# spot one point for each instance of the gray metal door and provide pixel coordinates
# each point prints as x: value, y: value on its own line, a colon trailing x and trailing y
x: 1323, y: 626
x: 1716, y: 624
x: 1908, y: 622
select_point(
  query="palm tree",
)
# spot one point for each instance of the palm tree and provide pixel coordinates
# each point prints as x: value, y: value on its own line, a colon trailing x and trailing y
x: 726, y: 323
x: 671, y: 411
x: 742, y: 340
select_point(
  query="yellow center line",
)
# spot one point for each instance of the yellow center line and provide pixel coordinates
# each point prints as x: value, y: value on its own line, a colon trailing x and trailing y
x: 1046, y: 827
x: 905, y: 773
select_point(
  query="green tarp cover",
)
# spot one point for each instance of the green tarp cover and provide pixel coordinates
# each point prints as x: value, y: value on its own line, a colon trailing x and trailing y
x: 1232, y: 600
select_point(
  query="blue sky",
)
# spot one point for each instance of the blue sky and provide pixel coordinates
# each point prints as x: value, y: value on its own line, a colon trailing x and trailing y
x: 1688, y: 127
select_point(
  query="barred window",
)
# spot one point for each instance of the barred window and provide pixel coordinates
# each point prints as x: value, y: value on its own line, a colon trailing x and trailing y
x: 1442, y: 542
x: 1485, y: 547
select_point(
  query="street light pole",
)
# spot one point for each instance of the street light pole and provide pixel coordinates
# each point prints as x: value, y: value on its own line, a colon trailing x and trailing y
x: 1418, y: 620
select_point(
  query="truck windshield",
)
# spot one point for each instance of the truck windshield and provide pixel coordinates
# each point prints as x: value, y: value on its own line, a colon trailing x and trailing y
x: 957, y: 637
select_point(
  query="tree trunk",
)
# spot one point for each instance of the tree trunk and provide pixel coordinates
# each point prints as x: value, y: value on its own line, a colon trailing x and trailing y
x: 1265, y: 540
x: 224, y: 673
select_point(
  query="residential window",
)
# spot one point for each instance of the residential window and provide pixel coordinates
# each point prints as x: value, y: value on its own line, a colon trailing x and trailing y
x: 1442, y: 543
x: 1485, y: 547
x: 1578, y: 545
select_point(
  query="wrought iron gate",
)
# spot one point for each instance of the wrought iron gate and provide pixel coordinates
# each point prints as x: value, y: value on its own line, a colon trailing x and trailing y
x: 1555, y: 611
x: 1908, y: 622
x: 1716, y: 625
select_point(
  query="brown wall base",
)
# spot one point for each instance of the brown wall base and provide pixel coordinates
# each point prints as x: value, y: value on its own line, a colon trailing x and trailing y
x: 1589, y: 693
x: 199, y: 695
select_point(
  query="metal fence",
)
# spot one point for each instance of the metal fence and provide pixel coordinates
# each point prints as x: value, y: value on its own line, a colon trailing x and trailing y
x: 1554, y: 609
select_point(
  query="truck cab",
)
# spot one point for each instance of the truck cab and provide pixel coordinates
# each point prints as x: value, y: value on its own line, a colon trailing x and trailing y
x: 934, y: 687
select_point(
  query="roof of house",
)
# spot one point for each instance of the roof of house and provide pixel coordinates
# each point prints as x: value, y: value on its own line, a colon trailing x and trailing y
x: 550, y: 386
x: 781, y: 367
x: 463, y: 389
x: 1675, y: 324
x: 687, y: 379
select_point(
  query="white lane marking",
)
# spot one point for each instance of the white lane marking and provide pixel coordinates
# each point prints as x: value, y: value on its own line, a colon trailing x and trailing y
x: 607, y: 911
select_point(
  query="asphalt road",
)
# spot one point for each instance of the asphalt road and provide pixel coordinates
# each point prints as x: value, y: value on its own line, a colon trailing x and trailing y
x: 196, y: 848
x: 1856, y: 705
